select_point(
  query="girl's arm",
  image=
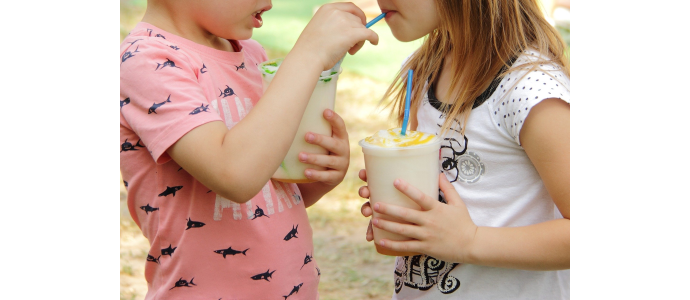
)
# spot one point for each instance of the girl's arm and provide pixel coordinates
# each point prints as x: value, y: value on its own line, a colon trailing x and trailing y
x: 237, y: 163
x: 544, y: 246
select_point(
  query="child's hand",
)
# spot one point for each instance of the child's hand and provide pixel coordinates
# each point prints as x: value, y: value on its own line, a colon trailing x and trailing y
x: 336, y: 28
x: 338, y: 146
x: 366, y: 207
x: 444, y: 231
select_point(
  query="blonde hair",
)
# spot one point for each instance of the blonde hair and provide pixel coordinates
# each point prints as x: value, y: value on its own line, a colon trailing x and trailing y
x: 481, y: 36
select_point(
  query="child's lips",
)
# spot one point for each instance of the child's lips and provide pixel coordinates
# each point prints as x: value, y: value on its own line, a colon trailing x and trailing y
x: 258, y: 21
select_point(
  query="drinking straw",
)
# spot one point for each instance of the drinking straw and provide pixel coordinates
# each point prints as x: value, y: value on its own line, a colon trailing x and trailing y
x: 372, y: 22
x: 407, y: 102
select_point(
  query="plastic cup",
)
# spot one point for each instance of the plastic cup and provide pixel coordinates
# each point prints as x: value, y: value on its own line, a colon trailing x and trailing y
x: 291, y: 170
x: 418, y: 165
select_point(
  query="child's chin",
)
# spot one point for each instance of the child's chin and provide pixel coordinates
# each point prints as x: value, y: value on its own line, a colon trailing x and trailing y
x: 403, y: 36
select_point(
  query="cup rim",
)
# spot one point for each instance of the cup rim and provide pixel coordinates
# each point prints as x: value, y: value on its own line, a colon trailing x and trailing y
x: 280, y: 60
x: 436, y: 140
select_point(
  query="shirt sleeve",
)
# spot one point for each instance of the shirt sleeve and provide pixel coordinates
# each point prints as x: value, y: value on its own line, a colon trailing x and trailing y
x: 162, y: 96
x: 521, y: 90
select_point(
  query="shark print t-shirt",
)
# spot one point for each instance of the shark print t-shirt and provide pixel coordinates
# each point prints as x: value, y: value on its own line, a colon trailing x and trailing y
x: 204, y: 246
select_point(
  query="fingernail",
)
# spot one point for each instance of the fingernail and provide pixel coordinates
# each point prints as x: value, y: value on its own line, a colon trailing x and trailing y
x: 381, y: 243
x: 376, y: 206
x: 329, y: 113
x: 302, y: 157
x: 310, y: 137
x: 375, y: 221
x: 308, y: 173
x: 396, y: 182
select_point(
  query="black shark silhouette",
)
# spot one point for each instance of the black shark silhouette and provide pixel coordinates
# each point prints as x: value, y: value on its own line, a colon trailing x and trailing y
x: 167, y: 63
x: 124, y: 102
x: 318, y: 272
x: 132, y: 43
x: 241, y: 66
x: 168, y: 251
x: 127, y: 146
x: 203, y: 69
x: 127, y: 55
x: 230, y: 251
x: 199, y: 109
x: 170, y: 190
x: 149, y: 30
x: 174, y: 47
x: 155, y: 105
x: 147, y: 208
x: 292, y: 233
x: 126, y: 184
x: 227, y: 92
x: 294, y: 290
x: 306, y: 260
x: 297, y: 197
x: 265, y: 276
x: 194, y: 224
x: 181, y: 282
x: 258, y: 212
x: 153, y: 259
x: 160, y: 35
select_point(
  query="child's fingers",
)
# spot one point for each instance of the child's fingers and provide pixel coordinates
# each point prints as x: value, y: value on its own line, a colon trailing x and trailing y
x: 366, y: 209
x: 411, y: 231
x: 424, y: 201
x: 331, y: 144
x: 370, y: 233
x: 403, y: 213
x: 364, y: 34
x: 330, y: 177
x: 351, y: 8
x: 337, y: 124
x: 333, y: 162
x: 449, y: 191
x: 364, y: 192
x: 363, y: 174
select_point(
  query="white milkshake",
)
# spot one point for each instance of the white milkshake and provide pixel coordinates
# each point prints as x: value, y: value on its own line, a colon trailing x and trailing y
x: 388, y: 155
x: 291, y: 169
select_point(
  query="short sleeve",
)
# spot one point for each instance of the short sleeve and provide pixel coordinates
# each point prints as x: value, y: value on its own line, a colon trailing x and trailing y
x: 520, y: 91
x: 161, y: 99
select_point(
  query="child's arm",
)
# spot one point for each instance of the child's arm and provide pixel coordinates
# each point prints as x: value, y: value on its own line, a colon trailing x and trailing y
x: 544, y: 246
x: 336, y: 162
x: 237, y: 163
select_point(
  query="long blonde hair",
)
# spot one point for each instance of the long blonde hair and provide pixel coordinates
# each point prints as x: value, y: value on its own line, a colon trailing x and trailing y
x: 481, y: 36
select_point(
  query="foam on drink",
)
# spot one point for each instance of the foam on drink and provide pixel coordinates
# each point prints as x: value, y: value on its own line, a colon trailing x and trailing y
x: 393, y: 138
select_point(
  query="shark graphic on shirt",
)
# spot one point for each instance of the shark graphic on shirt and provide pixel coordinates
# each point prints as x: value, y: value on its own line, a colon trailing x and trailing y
x: 168, y: 251
x: 294, y: 290
x: 147, y: 208
x: 194, y: 224
x: 292, y: 233
x: 167, y: 63
x: 230, y: 251
x: 170, y: 190
x: 226, y: 92
x: 183, y: 283
x: 153, y: 259
x: 306, y: 260
x: 155, y: 105
x: 174, y: 47
x: 265, y: 276
x: 258, y: 212
x: 241, y: 66
x: 160, y: 36
x: 129, y: 54
x: 127, y: 146
x: 199, y: 109
x: 203, y: 69
x: 124, y: 102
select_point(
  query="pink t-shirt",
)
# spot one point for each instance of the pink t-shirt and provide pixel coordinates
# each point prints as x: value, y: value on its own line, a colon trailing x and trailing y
x: 204, y: 246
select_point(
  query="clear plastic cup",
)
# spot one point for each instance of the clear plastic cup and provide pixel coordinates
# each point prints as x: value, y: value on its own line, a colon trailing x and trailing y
x: 291, y: 169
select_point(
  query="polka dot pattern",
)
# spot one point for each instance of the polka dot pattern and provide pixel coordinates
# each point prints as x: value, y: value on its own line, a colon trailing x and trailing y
x: 523, y: 89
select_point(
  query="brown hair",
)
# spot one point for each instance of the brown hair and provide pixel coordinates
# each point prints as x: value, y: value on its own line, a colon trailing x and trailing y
x: 481, y: 36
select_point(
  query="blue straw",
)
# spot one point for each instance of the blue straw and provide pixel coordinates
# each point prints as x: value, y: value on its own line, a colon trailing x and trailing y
x: 372, y: 22
x: 407, y: 102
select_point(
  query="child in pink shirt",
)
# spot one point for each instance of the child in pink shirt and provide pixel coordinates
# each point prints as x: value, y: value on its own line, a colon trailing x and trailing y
x: 199, y: 141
